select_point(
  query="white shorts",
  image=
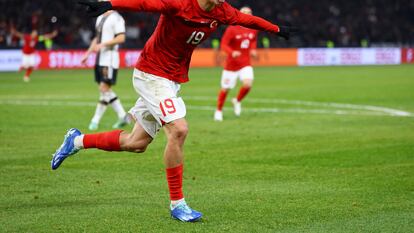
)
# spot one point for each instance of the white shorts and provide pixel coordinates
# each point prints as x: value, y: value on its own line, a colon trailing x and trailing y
x: 158, y: 103
x: 28, y: 60
x: 229, y: 78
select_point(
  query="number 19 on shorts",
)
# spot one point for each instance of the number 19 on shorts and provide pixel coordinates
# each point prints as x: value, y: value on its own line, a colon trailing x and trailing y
x: 167, y: 107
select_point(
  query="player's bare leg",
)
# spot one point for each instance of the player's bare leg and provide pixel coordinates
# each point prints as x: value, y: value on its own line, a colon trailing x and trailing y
x: 244, y: 90
x: 100, y: 107
x: 136, y: 141
x: 221, y: 99
x: 176, y: 132
x: 117, y: 140
x: 108, y: 96
x: 26, y: 77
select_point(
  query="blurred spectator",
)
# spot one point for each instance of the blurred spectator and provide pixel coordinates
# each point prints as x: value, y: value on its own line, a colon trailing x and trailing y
x: 323, y: 22
x: 3, y: 33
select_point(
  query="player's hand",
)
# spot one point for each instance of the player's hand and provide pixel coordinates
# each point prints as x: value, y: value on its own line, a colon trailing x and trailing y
x: 287, y: 31
x: 254, y: 54
x: 84, y: 58
x: 236, y: 54
x: 94, y: 9
x: 98, y: 47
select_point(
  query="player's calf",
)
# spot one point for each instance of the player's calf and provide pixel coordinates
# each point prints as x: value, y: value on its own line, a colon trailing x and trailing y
x: 132, y: 144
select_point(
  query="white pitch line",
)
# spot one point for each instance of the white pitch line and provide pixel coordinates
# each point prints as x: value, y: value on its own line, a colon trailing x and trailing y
x: 388, y: 111
x: 294, y: 110
x: 205, y: 108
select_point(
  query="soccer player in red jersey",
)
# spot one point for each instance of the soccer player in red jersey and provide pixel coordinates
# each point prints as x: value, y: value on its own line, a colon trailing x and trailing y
x: 161, y: 68
x: 239, y: 43
x: 29, y: 44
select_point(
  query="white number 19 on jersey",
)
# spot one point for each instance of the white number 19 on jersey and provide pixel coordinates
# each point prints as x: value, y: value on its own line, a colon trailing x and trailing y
x: 196, y: 37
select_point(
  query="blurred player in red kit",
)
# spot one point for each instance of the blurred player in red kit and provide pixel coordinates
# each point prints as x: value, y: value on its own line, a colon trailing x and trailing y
x: 240, y: 44
x: 29, y: 48
x: 160, y: 70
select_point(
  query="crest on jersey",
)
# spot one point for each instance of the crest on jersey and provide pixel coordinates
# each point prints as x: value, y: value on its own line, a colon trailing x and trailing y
x: 214, y: 24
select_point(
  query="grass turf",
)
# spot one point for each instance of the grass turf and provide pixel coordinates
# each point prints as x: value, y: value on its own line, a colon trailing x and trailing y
x: 284, y: 166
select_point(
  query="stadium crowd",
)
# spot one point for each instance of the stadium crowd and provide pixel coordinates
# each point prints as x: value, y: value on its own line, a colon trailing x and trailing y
x: 323, y: 23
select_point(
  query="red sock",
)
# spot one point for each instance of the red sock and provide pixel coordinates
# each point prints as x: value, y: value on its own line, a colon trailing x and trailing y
x: 175, y: 182
x: 29, y: 71
x: 108, y: 141
x: 242, y: 93
x: 221, y: 99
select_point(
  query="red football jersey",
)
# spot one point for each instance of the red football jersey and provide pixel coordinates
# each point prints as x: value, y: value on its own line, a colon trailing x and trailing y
x: 238, y: 38
x: 182, y: 26
x: 29, y: 44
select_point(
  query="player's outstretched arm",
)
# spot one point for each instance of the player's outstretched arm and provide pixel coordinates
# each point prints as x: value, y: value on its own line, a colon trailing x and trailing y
x: 51, y: 35
x: 16, y: 33
x: 258, y: 23
x: 95, y: 9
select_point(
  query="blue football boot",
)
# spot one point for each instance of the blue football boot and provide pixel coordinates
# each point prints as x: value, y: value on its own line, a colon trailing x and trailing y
x: 66, y: 149
x: 184, y: 213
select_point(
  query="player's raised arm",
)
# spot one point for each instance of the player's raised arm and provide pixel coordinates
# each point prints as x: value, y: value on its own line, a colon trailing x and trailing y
x: 16, y: 33
x: 51, y: 35
x: 254, y: 22
x: 161, y: 6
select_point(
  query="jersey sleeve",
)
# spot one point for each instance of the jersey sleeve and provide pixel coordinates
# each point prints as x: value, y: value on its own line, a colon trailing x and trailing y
x: 235, y: 17
x: 119, y: 25
x: 159, y: 6
x: 225, y: 41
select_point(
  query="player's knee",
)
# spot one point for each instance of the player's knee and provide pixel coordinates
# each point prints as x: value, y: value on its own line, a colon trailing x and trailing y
x: 247, y: 83
x: 247, y: 86
x: 179, y: 130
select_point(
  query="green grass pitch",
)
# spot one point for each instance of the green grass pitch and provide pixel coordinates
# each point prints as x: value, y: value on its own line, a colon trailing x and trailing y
x: 315, y: 150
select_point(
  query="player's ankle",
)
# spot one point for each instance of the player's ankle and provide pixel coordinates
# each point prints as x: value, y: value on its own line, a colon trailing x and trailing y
x: 174, y: 203
x: 78, y: 142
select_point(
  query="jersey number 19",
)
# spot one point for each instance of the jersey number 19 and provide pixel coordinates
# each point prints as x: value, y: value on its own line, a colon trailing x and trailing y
x: 196, y: 38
